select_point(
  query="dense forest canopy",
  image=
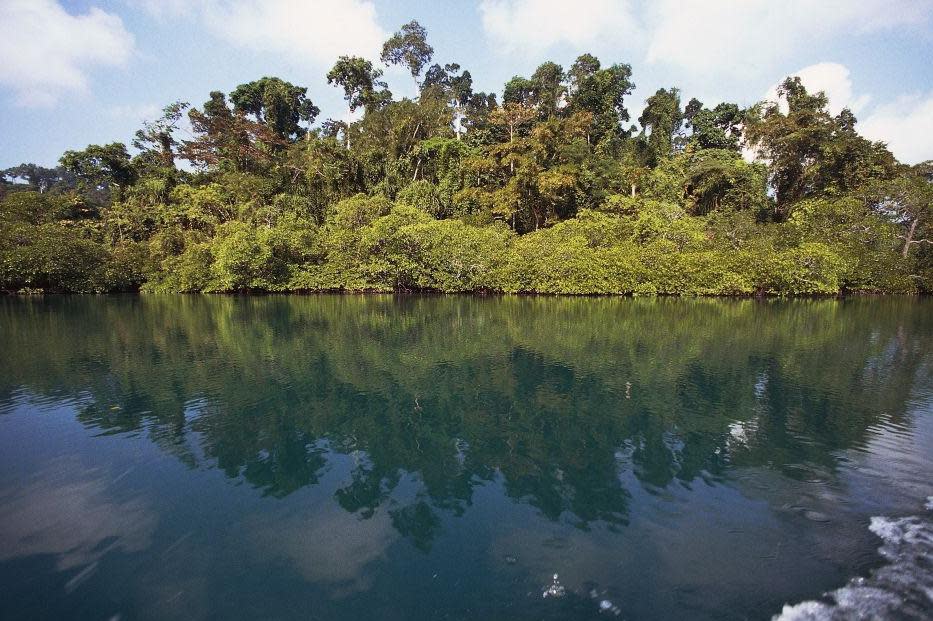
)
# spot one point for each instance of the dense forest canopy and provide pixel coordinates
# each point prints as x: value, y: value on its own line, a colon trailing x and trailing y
x: 550, y: 188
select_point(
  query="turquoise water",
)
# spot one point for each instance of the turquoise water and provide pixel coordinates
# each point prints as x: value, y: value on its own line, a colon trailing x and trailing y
x: 372, y: 457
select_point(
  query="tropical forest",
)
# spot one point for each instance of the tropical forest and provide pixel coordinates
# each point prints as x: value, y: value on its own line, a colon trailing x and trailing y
x: 551, y: 186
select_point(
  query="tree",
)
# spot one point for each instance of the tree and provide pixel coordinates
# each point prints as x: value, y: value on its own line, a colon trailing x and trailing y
x: 908, y: 201
x: 408, y: 47
x: 156, y: 139
x: 360, y: 82
x: 227, y: 140
x: 583, y: 69
x: 103, y: 172
x: 809, y: 151
x: 717, y: 178
x: 600, y: 92
x: 548, y: 89
x: 512, y: 117
x: 662, y: 117
x: 719, y: 128
x: 520, y: 91
x: 455, y: 86
x: 790, y: 142
x: 279, y: 105
x: 38, y: 178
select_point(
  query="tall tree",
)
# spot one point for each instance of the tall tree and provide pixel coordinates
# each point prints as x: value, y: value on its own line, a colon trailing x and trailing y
x: 408, y: 47
x: 361, y: 85
x: 548, y: 89
x: 601, y: 92
x: 908, y: 200
x: 455, y: 86
x: 662, y: 117
x: 38, y: 178
x: 156, y: 139
x: 808, y: 150
x: 280, y: 105
x: 103, y: 171
x: 519, y: 90
x: 228, y: 140
x: 719, y: 128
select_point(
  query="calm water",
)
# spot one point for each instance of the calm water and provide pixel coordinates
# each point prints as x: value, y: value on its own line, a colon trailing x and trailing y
x: 443, y: 458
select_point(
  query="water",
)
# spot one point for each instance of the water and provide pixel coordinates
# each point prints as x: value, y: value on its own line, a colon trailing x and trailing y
x: 325, y: 457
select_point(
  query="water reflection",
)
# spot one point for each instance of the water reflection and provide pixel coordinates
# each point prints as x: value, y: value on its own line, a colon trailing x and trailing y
x: 375, y: 420
x: 556, y: 395
x: 69, y: 515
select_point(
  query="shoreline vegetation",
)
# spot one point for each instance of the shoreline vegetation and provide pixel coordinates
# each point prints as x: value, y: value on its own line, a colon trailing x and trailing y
x: 547, y: 188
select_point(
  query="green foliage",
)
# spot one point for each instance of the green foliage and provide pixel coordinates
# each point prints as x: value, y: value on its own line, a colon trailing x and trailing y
x: 34, y: 208
x: 811, y: 152
x: 278, y: 104
x: 452, y: 192
x: 811, y: 268
x: 103, y: 172
x: 51, y: 257
x: 661, y: 118
x: 359, y: 81
x: 408, y: 47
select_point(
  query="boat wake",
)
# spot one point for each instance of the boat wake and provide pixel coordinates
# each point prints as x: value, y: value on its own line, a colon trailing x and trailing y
x: 900, y: 589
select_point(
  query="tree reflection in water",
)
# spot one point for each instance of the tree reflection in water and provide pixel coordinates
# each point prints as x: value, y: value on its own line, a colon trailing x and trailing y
x: 561, y: 401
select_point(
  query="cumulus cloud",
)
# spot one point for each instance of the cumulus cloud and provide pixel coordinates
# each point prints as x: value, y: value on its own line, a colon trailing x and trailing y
x: 740, y: 38
x: 317, y: 32
x: 303, y: 31
x: 531, y: 26
x: 906, y: 124
x: 734, y: 39
x: 48, y: 52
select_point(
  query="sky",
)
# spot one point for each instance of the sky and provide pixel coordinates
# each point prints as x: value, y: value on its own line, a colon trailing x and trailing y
x: 77, y: 72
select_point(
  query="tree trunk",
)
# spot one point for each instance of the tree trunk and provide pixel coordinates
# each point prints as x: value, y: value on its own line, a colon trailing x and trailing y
x: 458, y: 119
x: 347, y: 130
x: 910, y: 237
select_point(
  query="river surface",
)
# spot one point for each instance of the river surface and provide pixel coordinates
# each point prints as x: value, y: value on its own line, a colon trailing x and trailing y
x: 379, y: 457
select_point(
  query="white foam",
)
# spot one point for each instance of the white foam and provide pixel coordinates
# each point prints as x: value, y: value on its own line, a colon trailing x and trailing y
x: 805, y: 611
x: 555, y: 589
x: 902, y: 589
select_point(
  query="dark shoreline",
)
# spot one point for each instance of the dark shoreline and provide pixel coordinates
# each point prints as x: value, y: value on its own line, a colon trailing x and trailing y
x: 481, y: 294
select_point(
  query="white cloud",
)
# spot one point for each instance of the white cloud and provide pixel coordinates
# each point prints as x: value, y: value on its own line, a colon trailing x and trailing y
x: 74, y: 519
x: 162, y: 9
x: 531, y: 26
x: 831, y: 78
x: 317, y: 32
x: 734, y: 38
x: 47, y: 52
x: 906, y: 124
x: 743, y: 38
x: 136, y: 113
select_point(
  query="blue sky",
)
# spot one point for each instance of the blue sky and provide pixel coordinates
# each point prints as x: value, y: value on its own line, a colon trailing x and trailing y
x: 75, y: 72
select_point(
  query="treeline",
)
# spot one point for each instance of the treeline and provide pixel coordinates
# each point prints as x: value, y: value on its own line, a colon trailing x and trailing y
x: 553, y: 189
